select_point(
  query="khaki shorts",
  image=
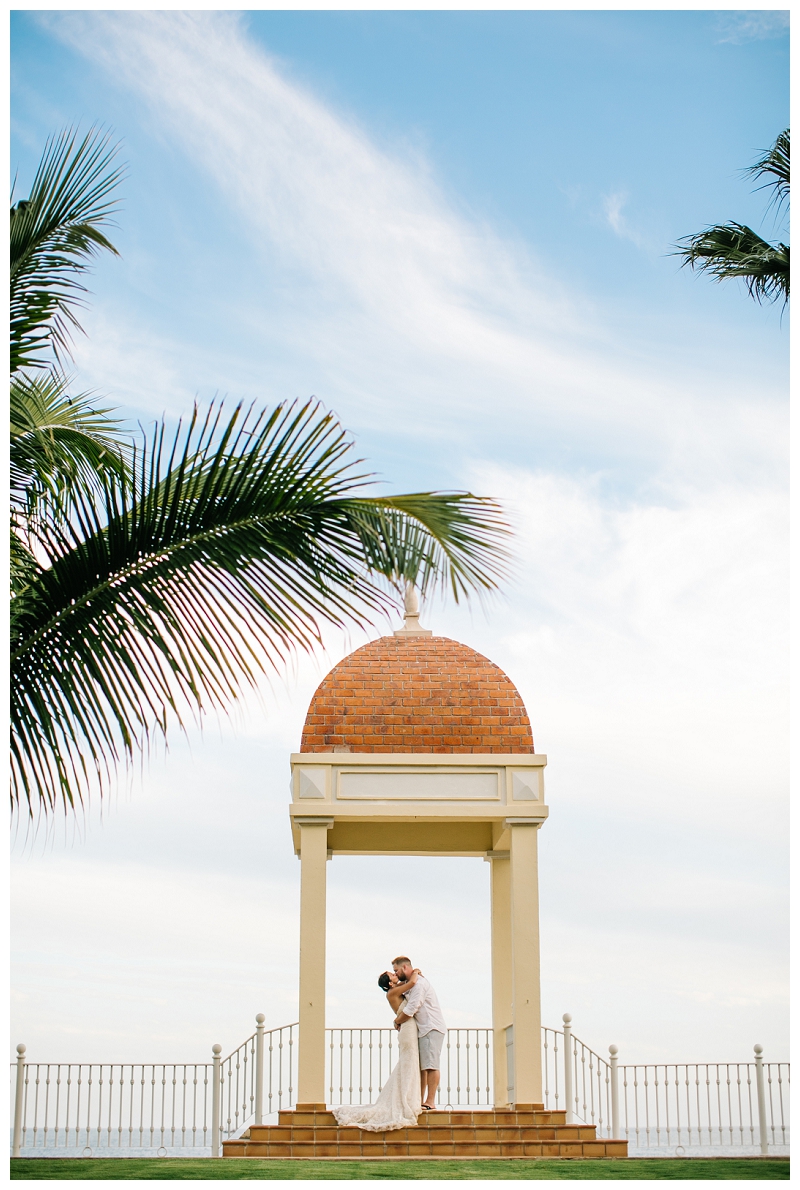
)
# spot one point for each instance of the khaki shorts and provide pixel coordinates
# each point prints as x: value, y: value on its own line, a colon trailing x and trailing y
x: 430, y: 1048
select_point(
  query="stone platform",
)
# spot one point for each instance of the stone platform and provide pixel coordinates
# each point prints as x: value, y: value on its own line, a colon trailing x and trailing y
x: 526, y: 1130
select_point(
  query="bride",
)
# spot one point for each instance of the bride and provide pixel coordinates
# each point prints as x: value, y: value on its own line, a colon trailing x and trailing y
x: 400, y: 1101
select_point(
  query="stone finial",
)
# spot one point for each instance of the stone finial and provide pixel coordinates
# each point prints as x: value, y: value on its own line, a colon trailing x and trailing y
x: 411, y: 624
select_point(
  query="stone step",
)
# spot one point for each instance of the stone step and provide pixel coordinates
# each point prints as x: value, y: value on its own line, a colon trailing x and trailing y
x: 432, y: 1132
x: 326, y: 1119
x: 324, y: 1109
x: 368, y: 1146
x: 525, y: 1107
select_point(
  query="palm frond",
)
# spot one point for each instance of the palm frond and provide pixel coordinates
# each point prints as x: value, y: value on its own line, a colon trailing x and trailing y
x: 55, y: 233
x: 774, y: 165
x: 733, y: 250
x: 60, y: 445
x: 429, y: 538
x: 23, y: 567
x: 235, y: 541
x: 58, y: 440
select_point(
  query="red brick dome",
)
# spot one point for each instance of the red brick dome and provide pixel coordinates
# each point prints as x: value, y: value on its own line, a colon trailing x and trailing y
x: 417, y: 694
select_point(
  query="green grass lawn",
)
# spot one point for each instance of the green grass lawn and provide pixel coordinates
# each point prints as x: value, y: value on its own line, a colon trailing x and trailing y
x: 253, y: 1169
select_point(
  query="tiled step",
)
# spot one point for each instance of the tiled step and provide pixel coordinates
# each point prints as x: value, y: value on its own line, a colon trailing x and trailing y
x: 370, y: 1147
x: 326, y: 1119
x: 527, y: 1130
x: 433, y: 1132
x: 323, y: 1107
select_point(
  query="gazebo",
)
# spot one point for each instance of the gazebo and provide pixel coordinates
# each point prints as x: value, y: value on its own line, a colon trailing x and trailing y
x: 415, y: 744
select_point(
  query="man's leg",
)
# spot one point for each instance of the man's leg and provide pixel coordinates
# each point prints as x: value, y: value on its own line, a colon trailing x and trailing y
x: 430, y: 1048
x: 432, y: 1077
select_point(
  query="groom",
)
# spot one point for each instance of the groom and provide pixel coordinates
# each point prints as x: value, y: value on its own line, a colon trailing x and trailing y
x: 422, y: 1003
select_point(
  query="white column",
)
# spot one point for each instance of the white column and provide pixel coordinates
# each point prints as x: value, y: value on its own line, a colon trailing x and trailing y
x: 525, y: 991
x: 501, y: 969
x: 311, y: 1041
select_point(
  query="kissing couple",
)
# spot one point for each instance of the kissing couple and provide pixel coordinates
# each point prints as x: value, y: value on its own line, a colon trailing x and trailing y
x: 411, y: 1087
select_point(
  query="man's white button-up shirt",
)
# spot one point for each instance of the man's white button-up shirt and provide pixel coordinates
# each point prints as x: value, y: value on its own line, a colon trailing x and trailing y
x: 422, y: 1003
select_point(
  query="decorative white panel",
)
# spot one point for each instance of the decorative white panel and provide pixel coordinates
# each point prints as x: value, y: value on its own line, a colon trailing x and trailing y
x: 311, y: 781
x: 525, y: 785
x: 455, y: 785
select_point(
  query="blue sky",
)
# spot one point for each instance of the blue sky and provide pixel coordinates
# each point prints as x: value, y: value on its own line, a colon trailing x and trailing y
x: 454, y: 229
x: 587, y: 142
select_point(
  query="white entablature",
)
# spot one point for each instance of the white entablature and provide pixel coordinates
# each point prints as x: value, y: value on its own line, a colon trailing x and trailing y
x: 417, y: 803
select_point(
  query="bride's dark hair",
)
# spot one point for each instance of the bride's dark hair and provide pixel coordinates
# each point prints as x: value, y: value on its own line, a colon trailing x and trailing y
x: 383, y: 981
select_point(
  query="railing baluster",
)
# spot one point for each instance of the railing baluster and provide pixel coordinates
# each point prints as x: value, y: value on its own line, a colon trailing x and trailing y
x: 58, y: 1105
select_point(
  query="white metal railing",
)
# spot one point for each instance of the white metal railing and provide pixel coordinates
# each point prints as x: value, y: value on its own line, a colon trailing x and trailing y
x: 577, y: 1080
x: 359, y: 1061
x: 243, y: 1073
x: 697, y: 1106
x: 118, y: 1109
x: 69, y: 1107
x: 156, y: 1109
x: 665, y: 1108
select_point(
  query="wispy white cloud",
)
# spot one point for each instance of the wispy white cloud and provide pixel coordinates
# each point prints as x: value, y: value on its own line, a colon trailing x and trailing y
x: 613, y: 205
x: 752, y: 25
x: 406, y: 303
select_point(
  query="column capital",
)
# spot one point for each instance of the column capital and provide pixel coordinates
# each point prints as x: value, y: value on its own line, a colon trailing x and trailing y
x: 326, y: 822
x: 490, y: 855
x: 523, y: 821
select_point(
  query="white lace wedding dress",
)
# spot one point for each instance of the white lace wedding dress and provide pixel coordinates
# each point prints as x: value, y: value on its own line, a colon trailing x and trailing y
x: 399, y: 1103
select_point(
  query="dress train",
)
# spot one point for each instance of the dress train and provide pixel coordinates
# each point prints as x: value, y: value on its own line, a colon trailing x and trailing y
x: 400, y: 1101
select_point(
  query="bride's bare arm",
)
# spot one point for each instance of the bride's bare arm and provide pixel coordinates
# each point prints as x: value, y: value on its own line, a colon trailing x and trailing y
x: 395, y: 994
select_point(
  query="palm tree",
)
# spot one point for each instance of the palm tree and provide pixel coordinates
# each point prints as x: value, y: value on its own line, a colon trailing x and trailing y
x: 153, y: 588
x: 734, y: 250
